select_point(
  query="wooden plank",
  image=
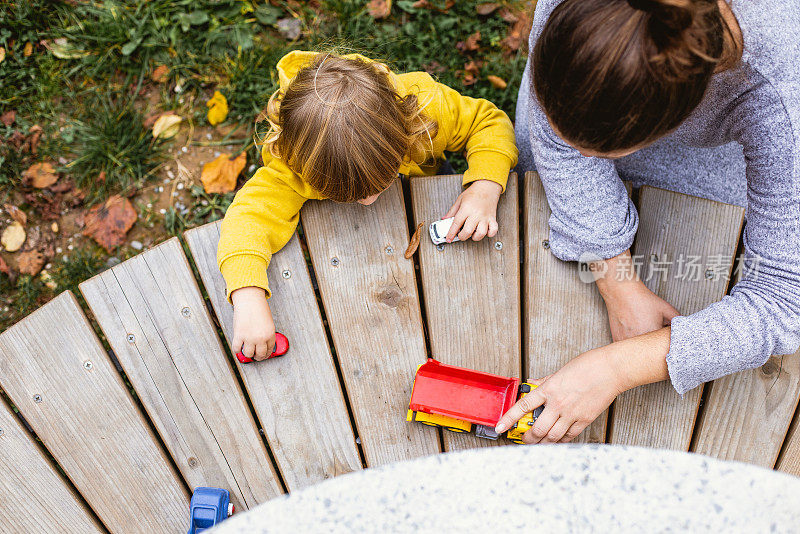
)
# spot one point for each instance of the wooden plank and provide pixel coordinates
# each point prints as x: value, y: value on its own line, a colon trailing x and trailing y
x: 674, y: 226
x: 289, y: 393
x: 565, y: 315
x: 35, y: 498
x: 789, y: 459
x: 747, y: 414
x: 55, y: 371
x: 155, y: 319
x: 471, y: 290
x: 370, y: 295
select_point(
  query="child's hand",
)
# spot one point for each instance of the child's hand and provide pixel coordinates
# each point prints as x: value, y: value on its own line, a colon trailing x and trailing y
x: 475, y: 212
x: 253, y: 328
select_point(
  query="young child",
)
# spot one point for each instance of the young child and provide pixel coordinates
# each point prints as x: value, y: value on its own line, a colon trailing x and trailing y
x: 343, y: 128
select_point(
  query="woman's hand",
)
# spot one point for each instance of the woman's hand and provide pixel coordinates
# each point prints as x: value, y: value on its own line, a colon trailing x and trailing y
x: 580, y: 391
x: 253, y: 327
x: 475, y: 212
x: 632, y: 308
x: 572, y: 397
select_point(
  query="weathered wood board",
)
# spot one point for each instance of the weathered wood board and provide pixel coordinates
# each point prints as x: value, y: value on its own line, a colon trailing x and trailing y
x: 565, y: 315
x: 370, y: 296
x: 155, y: 319
x: 35, y: 498
x: 55, y: 371
x: 747, y: 414
x: 471, y: 290
x: 673, y: 229
x: 298, y: 398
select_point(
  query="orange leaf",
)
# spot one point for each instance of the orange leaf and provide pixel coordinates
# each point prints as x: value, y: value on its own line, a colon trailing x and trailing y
x: 159, y: 74
x: 4, y: 267
x: 219, y: 176
x: 31, y: 262
x: 16, y: 214
x: 108, y: 223
x: 40, y: 175
x: 471, y: 44
x: 28, y: 50
x: 497, y: 82
x: 379, y: 9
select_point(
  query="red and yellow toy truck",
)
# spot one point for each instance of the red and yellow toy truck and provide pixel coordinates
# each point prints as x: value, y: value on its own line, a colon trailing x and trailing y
x: 456, y: 398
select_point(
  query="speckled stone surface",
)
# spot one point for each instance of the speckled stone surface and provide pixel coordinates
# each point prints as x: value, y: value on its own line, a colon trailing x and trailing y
x: 575, y: 488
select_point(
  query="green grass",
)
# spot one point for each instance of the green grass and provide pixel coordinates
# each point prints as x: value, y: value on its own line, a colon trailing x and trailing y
x: 87, y: 83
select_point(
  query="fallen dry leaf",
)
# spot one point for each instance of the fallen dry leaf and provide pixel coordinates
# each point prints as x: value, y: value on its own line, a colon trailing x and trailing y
x: 32, y: 141
x: 219, y: 176
x: 471, y: 72
x: 168, y: 125
x: 28, y: 50
x: 159, y: 74
x: 217, y: 108
x: 13, y: 237
x: 518, y: 34
x: 379, y: 9
x: 31, y: 262
x: 4, y: 267
x: 413, y: 245
x: 16, y: 214
x: 40, y: 175
x: 101, y: 178
x: 109, y: 222
x: 486, y: 8
x: 2, y: 54
x: 471, y: 44
x: 8, y: 117
x: 497, y: 82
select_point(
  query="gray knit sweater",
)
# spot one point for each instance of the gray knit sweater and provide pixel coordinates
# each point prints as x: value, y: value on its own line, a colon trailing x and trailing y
x: 741, y: 146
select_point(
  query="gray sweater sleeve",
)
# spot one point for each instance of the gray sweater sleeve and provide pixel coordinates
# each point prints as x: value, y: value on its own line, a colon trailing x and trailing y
x: 761, y: 316
x: 591, y: 210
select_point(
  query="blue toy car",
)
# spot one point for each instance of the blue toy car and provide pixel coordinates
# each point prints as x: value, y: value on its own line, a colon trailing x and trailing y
x: 209, y: 506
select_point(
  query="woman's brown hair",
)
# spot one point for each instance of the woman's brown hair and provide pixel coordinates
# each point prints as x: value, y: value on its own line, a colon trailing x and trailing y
x: 343, y: 127
x: 612, y: 75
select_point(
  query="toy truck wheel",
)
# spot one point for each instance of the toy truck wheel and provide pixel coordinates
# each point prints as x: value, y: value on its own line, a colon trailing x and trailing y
x: 231, y: 509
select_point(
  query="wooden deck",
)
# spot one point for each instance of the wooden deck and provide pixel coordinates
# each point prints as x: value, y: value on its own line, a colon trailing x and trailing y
x: 128, y: 404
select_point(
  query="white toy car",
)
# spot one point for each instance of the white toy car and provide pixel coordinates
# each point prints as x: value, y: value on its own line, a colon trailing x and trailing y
x: 439, y: 229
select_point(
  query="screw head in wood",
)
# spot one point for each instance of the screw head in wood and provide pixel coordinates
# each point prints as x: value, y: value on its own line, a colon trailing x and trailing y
x: 440, y: 247
x: 286, y: 274
x: 335, y: 261
x: 546, y: 244
x: 709, y: 274
x: 389, y: 250
x: 131, y: 338
x: 192, y: 462
x: 186, y: 312
x: 87, y: 365
x: 498, y: 245
x: 37, y: 398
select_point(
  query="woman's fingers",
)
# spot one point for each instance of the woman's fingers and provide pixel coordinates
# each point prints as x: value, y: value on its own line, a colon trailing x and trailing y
x: 557, y: 431
x: 526, y: 404
x: 573, y: 432
x: 542, y: 426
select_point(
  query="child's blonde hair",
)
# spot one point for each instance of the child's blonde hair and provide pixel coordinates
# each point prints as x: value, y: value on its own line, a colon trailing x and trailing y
x: 342, y: 126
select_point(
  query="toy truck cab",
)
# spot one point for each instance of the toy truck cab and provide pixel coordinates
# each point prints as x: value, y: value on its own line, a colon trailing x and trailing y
x: 209, y: 507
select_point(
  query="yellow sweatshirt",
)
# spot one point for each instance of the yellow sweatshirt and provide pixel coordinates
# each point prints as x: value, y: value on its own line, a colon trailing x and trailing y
x: 265, y: 212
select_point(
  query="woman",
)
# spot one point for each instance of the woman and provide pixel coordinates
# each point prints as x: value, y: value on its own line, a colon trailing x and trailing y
x: 696, y: 96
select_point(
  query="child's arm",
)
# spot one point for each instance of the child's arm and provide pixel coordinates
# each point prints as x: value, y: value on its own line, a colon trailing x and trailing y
x: 487, y: 135
x: 259, y: 222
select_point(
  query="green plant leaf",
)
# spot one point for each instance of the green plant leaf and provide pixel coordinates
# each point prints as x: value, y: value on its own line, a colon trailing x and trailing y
x: 268, y: 14
x: 130, y: 46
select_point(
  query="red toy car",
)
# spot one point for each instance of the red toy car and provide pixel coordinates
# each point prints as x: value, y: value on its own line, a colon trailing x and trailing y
x: 281, y: 347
